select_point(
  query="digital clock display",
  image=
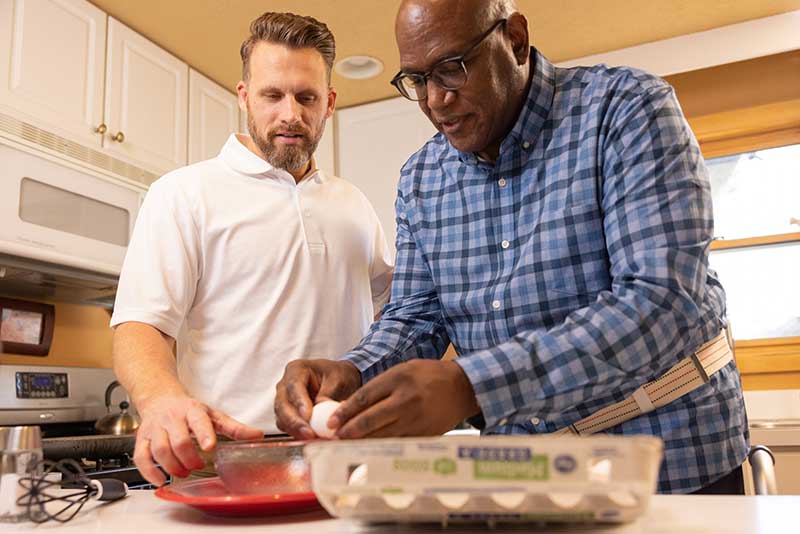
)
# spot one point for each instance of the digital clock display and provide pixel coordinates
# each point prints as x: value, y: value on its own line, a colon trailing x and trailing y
x: 42, y: 381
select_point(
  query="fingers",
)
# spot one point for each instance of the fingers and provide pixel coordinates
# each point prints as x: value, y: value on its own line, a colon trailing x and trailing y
x: 155, y: 447
x: 179, y: 446
x: 144, y: 462
x: 361, y: 413
x: 292, y: 401
x: 380, y: 420
x: 228, y: 426
x: 298, y: 397
x: 199, y: 420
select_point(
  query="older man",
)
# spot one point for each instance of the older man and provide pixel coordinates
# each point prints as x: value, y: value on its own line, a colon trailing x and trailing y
x: 248, y: 260
x: 556, y: 231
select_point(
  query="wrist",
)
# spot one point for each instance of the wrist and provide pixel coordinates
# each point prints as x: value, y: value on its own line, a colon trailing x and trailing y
x: 465, y: 394
x: 145, y: 401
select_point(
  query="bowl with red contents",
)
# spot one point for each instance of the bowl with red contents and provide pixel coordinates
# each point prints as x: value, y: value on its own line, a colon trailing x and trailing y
x: 263, y: 468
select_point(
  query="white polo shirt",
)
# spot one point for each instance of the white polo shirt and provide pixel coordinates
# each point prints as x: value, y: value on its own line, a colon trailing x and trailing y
x: 248, y: 270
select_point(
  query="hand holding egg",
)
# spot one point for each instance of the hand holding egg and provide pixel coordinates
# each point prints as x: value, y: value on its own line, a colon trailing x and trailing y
x: 320, y: 415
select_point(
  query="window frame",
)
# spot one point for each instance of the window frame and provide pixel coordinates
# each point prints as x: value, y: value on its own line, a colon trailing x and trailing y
x: 768, y: 363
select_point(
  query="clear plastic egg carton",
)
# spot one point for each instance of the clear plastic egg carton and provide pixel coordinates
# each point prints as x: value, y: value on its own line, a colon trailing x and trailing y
x: 492, y: 479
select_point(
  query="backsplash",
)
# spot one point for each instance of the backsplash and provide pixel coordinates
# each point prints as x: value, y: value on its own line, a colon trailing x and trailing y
x: 82, y: 338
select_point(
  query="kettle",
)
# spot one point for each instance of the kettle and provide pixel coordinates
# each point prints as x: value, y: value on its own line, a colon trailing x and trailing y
x: 117, y: 423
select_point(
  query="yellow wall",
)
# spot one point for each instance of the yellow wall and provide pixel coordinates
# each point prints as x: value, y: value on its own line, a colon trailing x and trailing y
x: 735, y: 86
x: 82, y: 338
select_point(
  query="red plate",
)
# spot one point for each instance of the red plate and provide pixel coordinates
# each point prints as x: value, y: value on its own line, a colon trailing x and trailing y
x: 211, y: 496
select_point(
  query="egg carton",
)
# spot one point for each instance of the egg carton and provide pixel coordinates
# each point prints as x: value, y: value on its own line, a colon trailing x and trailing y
x: 491, y: 479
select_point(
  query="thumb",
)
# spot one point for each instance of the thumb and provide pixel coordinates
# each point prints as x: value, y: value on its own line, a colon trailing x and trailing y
x: 228, y: 426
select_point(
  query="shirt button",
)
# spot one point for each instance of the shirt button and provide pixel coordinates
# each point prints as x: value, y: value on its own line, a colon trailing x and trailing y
x: 505, y: 243
x: 535, y: 421
x: 496, y: 304
x: 501, y: 182
x: 526, y: 145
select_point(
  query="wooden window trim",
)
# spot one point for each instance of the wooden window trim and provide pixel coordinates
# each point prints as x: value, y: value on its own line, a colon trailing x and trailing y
x: 772, y: 363
x: 745, y: 130
x: 722, y: 244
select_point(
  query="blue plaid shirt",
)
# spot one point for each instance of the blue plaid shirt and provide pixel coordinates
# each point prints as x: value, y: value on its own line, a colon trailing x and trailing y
x: 570, y: 271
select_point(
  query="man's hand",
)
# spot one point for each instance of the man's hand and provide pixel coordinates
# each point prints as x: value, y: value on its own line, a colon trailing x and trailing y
x: 307, y: 382
x: 415, y: 398
x: 164, y: 436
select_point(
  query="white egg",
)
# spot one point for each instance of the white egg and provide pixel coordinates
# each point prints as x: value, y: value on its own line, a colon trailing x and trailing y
x: 319, y: 418
x: 359, y: 476
x: 509, y: 500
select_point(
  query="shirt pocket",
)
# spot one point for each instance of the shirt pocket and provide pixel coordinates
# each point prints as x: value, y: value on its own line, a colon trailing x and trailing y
x: 570, y: 251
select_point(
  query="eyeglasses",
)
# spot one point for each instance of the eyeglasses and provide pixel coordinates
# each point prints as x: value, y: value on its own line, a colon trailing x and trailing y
x: 449, y: 73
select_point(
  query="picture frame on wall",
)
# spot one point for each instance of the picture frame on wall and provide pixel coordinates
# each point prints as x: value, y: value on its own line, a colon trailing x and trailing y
x: 26, y: 327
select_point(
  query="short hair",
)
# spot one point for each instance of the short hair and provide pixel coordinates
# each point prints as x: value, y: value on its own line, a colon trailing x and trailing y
x: 294, y: 31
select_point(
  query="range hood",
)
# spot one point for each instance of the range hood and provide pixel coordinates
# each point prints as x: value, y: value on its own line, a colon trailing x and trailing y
x: 33, y: 279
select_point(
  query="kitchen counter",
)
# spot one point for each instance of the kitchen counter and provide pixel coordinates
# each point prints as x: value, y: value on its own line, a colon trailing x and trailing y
x: 141, y: 512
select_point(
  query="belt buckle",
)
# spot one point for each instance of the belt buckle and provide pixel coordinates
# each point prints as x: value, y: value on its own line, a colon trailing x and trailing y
x: 699, y: 366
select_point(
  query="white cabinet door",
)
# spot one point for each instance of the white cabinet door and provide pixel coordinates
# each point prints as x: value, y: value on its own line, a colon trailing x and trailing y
x: 373, y: 142
x: 213, y: 117
x: 146, y: 101
x: 51, y: 65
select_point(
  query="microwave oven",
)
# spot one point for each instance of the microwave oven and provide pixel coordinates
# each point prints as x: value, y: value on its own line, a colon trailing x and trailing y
x: 63, y: 230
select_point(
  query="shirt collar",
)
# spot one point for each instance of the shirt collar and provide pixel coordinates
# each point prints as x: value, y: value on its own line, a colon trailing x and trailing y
x: 534, y: 111
x: 538, y: 102
x: 239, y: 158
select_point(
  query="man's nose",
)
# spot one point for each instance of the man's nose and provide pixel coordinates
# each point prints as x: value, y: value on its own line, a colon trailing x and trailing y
x: 438, y: 97
x: 290, y: 110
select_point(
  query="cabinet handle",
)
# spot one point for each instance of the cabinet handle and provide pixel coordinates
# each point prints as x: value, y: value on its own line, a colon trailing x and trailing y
x: 119, y: 137
x: 101, y: 129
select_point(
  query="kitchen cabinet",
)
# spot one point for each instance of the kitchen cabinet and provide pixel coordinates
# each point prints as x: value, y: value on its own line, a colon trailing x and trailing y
x: 213, y: 116
x: 52, y: 54
x: 68, y: 69
x: 146, y: 101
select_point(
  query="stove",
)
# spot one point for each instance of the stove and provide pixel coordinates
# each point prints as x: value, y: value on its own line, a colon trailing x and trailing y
x: 65, y: 402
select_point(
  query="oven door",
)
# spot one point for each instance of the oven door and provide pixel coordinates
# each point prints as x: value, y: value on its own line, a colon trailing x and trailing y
x: 55, y: 213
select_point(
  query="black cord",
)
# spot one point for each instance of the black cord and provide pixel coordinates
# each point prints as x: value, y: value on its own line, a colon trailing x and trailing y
x: 36, y: 495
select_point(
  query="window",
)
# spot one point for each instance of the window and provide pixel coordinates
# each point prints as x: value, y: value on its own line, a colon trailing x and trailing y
x: 756, y: 251
x: 753, y: 157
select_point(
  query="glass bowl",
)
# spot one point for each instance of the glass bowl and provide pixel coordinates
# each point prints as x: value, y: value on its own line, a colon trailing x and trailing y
x: 263, y: 468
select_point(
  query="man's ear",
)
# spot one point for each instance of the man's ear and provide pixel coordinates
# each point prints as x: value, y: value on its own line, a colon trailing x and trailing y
x: 331, y: 103
x: 241, y: 93
x: 517, y: 26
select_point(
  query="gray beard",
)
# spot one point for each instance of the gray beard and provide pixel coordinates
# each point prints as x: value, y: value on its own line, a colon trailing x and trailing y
x: 288, y: 158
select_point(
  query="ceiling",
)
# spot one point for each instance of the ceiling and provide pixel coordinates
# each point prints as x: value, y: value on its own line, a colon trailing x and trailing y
x: 207, y: 34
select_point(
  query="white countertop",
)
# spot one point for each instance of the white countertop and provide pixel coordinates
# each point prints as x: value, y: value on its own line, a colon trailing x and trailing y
x: 142, y: 512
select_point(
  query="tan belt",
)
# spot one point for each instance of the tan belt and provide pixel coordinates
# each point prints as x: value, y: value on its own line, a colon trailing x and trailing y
x: 685, y: 376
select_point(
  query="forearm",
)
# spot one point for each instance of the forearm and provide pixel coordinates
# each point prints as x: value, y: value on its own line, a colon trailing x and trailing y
x: 144, y: 362
x: 396, y: 338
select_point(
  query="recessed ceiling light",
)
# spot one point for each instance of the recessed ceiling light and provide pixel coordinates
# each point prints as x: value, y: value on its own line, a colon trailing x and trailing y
x: 359, y: 67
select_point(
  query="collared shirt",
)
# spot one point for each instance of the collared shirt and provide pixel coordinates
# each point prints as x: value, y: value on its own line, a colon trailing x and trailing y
x: 570, y: 271
x: 249, y: 270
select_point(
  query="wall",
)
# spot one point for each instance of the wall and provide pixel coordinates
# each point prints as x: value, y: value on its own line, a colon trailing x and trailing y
x: 739, y: 85
x: 82, y: 338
